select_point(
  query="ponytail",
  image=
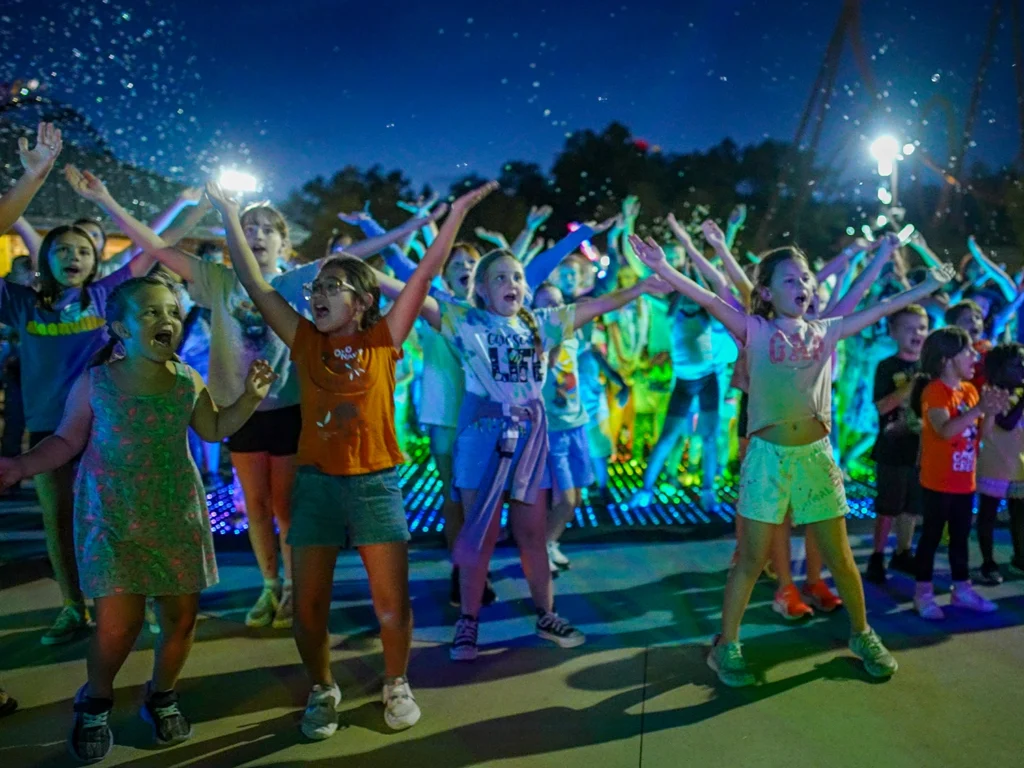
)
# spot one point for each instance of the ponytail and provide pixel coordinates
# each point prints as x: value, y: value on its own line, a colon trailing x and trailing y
x: 531, y: 322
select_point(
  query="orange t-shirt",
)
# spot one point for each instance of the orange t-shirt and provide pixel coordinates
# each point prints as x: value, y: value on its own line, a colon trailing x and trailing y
x: 348, y: 408
x: 948, y: 465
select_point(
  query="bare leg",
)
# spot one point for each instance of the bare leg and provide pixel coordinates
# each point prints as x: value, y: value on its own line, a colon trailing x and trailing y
x: 119, y: 620
x: 282, y: 478
x: 563, y: 507
x: 781, y: 552
x: 883, y: 526
x: 314, y: 579
x: 254, y: 475
x: 529, y: 523
x: 675, y: 427
x: 387, y: 567
x: 57, y: 498
x: 753, y: 553
x: 452, y: 510
x: 177, y: 631
x: 814, y: 558
x: 835, y: 549
x: 905, y: 532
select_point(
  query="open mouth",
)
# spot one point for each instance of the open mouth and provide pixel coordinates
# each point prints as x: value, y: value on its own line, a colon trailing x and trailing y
x: 72, y: 270
x: 464, y: 281
x: 320, y: 311
x: 801, y: 300
x: 163, y: 338
x: 511, y: 298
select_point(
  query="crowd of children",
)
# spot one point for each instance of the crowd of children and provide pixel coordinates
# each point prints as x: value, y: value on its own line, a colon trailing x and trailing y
x: 542, y: 364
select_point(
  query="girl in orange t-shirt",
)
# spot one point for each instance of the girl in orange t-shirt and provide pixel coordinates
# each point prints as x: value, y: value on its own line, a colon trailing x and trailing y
x: 347, y: 489
x: 950, y: 409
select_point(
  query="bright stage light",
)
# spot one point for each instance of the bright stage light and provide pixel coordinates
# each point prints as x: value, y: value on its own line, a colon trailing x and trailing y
x: 237, y: 181
x: 885, y: 150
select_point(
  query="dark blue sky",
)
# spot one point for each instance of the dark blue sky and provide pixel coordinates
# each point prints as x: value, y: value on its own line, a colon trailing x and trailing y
x: 304, y: 87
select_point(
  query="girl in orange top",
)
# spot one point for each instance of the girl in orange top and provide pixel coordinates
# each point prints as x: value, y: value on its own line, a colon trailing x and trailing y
x: 347, y: 488
x: 950, y: 409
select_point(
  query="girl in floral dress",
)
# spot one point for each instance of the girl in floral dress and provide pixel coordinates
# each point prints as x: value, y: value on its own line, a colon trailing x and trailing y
x: 141, y: 523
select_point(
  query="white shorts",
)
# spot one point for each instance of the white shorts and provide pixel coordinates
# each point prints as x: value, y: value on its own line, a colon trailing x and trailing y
x: 804, y: 478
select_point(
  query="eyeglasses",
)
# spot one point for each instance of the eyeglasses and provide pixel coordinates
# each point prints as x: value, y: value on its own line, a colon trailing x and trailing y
x: 326, y: 287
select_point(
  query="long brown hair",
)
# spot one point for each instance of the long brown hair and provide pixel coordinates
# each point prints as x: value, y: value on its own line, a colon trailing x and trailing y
x: 363, y: 280
x: 941, y: 346
x: 49, y: 289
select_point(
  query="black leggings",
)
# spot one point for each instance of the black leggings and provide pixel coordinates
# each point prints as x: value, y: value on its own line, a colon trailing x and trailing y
x: 987, y: 508
x: 956, y: 509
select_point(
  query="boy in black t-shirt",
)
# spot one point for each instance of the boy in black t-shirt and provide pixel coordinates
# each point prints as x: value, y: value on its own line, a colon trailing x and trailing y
x: 896, y: 449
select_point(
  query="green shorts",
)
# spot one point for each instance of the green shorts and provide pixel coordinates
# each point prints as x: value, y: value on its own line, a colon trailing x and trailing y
x: 347, y: 510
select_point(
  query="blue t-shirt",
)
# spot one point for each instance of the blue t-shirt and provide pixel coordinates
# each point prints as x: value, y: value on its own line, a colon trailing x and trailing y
x: 56, y: 344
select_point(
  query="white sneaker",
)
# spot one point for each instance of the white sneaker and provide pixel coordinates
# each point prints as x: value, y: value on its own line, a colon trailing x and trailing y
x: 400, y: 708
x: 927, y: 608
x: 262, y: 613
x: 320, y: 720
x: 964, y: 596
x: 555, y: 555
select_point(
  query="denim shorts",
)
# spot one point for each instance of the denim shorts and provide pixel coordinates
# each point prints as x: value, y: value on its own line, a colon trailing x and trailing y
x: 569, y: 459
x: 477, y: 444
x: 347, y: 510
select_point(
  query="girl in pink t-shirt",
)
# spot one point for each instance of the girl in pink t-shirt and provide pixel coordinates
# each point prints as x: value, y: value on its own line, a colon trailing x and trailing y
x: 789, y: 466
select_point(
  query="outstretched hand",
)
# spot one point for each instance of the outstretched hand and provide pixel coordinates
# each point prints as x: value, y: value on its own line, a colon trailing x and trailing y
x: 221, y: 199
x: 887, y: 246
x: 713, y: 234
x: 40, y: 159
x: 656, y: 284
x: 421, y: 207
x: 679, y: 231
x: 355, y: 217
x: 649, y: 252
x: 538, y: 215
x: 602, y: 226
x: 191, y: 195
x: 259, y: 379
x: 468, y: 201
x: 631, y: 208
x: 86, y: 185
x: 942, y: 274
x: 737, y: 217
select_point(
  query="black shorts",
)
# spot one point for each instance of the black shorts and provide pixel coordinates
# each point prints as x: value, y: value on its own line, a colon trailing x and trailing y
x: 275, y: 432
x: 898, y: 490
x: 704, y: 389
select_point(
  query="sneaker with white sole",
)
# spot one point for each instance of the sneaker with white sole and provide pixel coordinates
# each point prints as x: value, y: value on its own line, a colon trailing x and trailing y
x: 71, y: 623
x: 726, y: 659
x: 262, y: 613
x: 284, y: 616
x: 553, y: 627
x: 867, y: 646
x: 925, y: 605
x: 555, y: 555
x: 464, y: 647
x: 320, y: 720
x: 90, y: 739
x: 161, y: 711
x: 400, y: 708
x: 965, y: 597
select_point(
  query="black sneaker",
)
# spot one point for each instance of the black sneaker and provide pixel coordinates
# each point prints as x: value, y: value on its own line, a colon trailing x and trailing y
x: 161, y: 711
x: 553, y: 627
x: 464, y: 646
x: 903, y: 562
x: 875, y: 572
x: 454, y: 594
x: 989, y: 575
x: 90, y: 739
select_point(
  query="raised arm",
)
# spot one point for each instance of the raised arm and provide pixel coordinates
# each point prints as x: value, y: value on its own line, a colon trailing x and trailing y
x: 534, y: 221
x: 651, y: 254
x: 410, y: 301
x: 717, y: 240
x: 919, y: 244
x: 371, y: 245
x: 29, y: 237
x: 842, y: 260
x: 278, y: 313
x: 494, y: 238
x: 214, y: 424
x: 395, y: 257
x: 197, y: 210
x: 391, y: 288
x: 848, y: 301
x: 538, y: 270
x: 858, y: 321
x: 999, y: 277
x: 735, y: 224
x: 716, y: 280
x: 588, y: 310
x: 37, y: 162
x: 92, y: 189
x: 62, y: 446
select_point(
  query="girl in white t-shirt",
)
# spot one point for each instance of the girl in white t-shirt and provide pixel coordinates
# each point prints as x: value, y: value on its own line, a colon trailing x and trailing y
x: 789, y: 465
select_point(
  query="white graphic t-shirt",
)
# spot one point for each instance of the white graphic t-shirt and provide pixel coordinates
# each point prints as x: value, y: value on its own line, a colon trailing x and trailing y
x: 500, y: 354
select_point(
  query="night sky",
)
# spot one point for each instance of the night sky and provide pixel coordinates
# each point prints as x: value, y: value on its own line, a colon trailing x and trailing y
x: 302, y: 87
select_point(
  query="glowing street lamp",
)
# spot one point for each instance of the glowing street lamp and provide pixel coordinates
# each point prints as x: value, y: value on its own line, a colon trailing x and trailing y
x: 237, y: 181
x: 887, y: 152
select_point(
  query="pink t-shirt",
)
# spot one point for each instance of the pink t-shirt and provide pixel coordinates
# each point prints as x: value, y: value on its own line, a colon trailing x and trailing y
x: 790, y: 373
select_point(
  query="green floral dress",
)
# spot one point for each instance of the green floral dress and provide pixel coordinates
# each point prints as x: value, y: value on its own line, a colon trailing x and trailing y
x: 141, y: 523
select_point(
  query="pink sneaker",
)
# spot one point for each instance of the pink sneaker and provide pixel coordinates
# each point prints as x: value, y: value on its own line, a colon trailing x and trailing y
x: 965, y: 597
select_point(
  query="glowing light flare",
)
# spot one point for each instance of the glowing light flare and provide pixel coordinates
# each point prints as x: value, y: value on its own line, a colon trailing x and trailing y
x: 906, y: 233
x: 908, y: 149
x: 884, y: 195
x: 237, y: 181
x: 881, y: 221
